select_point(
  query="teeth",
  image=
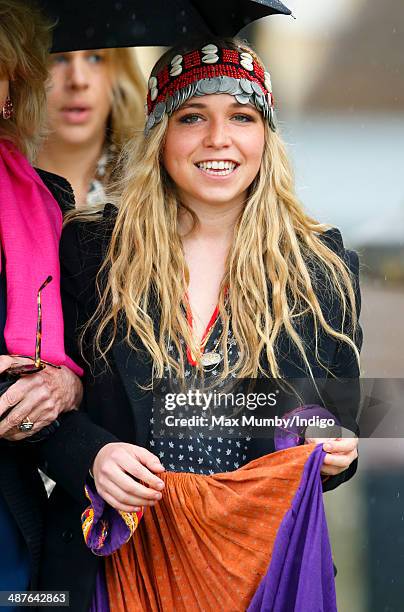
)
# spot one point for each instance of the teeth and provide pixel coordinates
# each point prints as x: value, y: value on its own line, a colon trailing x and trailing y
x: 227, y: 166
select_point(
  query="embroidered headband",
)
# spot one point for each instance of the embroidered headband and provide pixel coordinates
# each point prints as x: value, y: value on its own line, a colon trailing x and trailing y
x: 205, y: 71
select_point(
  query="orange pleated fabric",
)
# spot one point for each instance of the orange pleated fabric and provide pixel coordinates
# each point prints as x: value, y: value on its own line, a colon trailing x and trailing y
x: 208, y: 543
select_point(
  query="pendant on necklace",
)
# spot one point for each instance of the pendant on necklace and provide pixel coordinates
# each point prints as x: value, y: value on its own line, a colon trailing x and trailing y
x: 208, y: 359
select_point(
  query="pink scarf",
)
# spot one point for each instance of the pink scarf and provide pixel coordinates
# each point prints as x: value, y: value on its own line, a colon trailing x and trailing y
x: 30, y: 229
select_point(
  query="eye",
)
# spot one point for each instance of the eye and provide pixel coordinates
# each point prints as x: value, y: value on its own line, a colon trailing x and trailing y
x: 190, y: 118
x: 243, y: 118
x: 95, y: 58
x: 59, y: 59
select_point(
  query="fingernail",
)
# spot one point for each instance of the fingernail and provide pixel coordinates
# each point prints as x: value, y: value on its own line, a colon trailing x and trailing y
x: 137, y: 509
x: 157, y: 496
x: 327, y: 447
x: 160, y: 485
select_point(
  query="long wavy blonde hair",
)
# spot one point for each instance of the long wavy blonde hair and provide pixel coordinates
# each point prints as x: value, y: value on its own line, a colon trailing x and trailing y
x: 270, y: 269
x: 25, y: 39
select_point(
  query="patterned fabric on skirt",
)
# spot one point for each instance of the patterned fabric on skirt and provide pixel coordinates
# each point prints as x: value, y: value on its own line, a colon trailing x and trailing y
x: 254, y: 539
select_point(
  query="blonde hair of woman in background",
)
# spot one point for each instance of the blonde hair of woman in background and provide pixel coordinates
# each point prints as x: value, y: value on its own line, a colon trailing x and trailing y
x: 24, y: 45
x: 95, y: 104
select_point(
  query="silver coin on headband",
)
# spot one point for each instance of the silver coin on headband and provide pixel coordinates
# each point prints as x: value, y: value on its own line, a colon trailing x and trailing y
x: 150, y: 122
x: 229, y: 85
x: 272, y: 119
x: 176, y: 100
x: 153, y: 82
x: 259, y: 101
x: 242, y: 99
x: 209, y: 86
x: 183, y: 95
x: 239, y: 91
x: 169, y: 104
x: 159, y: 111
x: 190, y: 91
x: 246, y: 86
x: 218, y: 85
x: 225, y: 84
x: 257, y: 89
x: 194, y: 87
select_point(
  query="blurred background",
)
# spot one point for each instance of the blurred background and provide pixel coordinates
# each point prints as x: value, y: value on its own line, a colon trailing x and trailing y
x: 338, y: 77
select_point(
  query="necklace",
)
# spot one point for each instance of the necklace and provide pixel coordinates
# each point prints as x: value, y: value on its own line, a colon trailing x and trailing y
x: 211, y: 358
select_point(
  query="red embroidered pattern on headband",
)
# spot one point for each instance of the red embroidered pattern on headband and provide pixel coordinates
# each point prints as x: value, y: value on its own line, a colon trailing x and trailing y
x: 163, y: 77
x: 192, y: 59
x: 209, y: 62
x: 231, y: 56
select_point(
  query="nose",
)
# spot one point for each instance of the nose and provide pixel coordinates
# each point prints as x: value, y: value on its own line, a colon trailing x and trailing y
x: 217, y: 133
x: 77, y: 74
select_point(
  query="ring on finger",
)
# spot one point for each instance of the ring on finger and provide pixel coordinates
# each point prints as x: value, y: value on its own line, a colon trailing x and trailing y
x: 26, y: 425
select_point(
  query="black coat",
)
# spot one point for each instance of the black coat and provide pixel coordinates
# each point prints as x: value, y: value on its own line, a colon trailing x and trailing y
x: 20, y: 483
x: 116, y: 409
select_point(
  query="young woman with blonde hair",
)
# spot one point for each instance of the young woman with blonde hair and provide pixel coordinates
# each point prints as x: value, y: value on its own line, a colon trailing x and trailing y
x: 208, y: 266
x: 95, y: 105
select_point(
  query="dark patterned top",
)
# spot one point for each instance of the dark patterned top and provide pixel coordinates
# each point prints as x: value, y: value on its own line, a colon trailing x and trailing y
x: 195, y: 450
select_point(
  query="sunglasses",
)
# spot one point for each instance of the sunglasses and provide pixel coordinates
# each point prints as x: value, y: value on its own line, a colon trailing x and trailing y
x: 38, y: 364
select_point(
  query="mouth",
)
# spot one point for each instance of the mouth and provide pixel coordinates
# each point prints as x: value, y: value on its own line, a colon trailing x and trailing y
x: 215, y: 167
x: 76, y: 114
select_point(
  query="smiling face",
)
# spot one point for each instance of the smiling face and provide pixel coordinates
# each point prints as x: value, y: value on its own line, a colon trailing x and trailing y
x: 80, y: 96
x: 213, y: 150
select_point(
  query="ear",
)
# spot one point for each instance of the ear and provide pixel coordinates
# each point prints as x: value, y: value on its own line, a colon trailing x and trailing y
x: 7, y: 92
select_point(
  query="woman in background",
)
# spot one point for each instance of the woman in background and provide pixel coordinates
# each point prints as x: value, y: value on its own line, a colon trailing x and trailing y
x: 30, y: 227
x: 95, y: 104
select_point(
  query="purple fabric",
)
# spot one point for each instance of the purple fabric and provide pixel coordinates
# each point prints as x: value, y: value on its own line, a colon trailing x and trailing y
x: 300, y: 576
x: 105, y: 529
x: 293, y: 435
x: 100, y: 602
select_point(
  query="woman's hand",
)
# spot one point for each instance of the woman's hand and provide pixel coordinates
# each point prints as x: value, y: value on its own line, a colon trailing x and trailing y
x: 341, y: 452
x: 39, y: 397
x: 117, y: 469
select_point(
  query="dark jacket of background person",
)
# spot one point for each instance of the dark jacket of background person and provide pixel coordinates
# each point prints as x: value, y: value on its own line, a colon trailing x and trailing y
x: 20, y: 483
x: 116, y: 409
